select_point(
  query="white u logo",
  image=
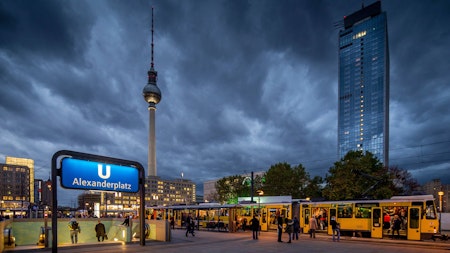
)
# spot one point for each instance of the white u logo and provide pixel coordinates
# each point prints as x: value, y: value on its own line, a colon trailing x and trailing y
x: 100, y: 171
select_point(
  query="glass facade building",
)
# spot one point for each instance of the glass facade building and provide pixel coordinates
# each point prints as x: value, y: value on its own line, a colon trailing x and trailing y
x: 363, y: 117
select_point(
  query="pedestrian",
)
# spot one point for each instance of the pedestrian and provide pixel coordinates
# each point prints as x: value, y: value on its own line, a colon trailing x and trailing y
x: 296, y: 227
x: 312, y: 227
x: 396, y: 223
x: 100, y: 231
x: 255, y: 227
x: 172, y: 222
x: 126, y: 222
x: 289, y: 224
x: 280, y: 226
x: 189, y: 225
x: 74, y: 229
x: 336, y: 228
x: 244, y: 224
x: 386, y: 221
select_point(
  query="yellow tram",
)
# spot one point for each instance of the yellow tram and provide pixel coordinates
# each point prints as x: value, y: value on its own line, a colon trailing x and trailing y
x: 207, y: 215
x: 373, y: 218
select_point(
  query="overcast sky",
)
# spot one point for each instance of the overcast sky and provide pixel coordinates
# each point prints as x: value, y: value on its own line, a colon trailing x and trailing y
x: 245, y: 84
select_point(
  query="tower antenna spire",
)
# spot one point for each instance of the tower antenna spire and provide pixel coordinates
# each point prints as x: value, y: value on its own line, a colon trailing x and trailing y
x: 152, y: 64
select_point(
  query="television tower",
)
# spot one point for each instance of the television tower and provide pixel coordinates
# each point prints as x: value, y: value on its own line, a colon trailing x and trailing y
x: 152, y: 95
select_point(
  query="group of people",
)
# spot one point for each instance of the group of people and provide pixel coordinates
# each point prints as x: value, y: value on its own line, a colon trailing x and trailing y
x: 100, y: 229
x: 394, y: 223
x: 335, y: 227
x: 75, y: 229
x: 292, y: 228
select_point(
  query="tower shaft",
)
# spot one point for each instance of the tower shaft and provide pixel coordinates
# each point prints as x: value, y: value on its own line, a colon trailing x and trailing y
x: 152, y: 142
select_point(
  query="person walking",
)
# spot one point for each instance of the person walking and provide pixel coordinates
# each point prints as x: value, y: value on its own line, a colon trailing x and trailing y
x: 296, y: 228
x: 74, y: 229
x: 190, y: 225
x: 289, y: 228
x: 255, y: 227
x: 336, y: 228
x: 100, y: 231
x: 312, y: 227
x: 280, y: 227
x: 126, y: 222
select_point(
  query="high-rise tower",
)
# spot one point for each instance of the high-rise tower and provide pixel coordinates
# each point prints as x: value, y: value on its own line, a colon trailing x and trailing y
x: 363, y: 118
x: 152, y: 95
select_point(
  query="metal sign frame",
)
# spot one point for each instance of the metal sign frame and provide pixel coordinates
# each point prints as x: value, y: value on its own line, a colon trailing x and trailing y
x: 58, y: 156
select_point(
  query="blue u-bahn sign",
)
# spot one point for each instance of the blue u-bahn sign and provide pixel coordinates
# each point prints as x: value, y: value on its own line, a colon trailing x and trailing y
x: 91, y: 175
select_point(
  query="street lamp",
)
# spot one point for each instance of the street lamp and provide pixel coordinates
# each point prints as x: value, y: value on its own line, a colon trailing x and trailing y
x: 260, y: 193
x: 441, y: 193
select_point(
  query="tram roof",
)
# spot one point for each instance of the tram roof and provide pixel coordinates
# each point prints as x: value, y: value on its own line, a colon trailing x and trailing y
x: 201, y: 206
x: 392, y: 199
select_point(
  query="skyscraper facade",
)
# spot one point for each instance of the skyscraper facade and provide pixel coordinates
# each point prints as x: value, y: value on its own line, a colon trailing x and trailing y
x: 363, y: 117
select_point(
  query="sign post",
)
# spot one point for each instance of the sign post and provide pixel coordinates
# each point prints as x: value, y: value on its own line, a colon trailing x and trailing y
x: 92, y: 172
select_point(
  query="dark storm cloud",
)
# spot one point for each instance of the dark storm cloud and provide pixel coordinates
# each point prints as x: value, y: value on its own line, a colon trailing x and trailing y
x: 245, y: 84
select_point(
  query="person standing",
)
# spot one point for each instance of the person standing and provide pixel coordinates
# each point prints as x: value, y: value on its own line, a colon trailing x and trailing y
x: 100, y: 231
x: 396, y: 223
x: 74, y: 229
x: 312, y: 227
x: 172, y: 222
x: 386, y: 221
x: 296, y: 227
x: 255, y: 227
x: 289, y: 228
x: 280, y: 227
x: 336, y: 228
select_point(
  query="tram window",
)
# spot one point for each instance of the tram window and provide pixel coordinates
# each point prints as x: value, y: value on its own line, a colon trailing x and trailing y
x: 430, y: 210
x: 363, y: 212
x: 306, y: 216
x: 345, y: 211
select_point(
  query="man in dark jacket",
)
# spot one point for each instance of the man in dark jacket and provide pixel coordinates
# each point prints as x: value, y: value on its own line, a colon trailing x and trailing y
x: 100, y: 231
x: 280, y: 227
x: 255, y: 227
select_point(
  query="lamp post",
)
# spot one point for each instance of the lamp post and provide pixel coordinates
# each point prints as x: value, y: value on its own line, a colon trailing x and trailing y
x: 260, y: 193
x: 441, y: 193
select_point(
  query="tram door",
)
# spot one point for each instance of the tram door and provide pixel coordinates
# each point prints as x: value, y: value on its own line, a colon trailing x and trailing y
x: 377, y: 224
x: 333, y: 213
x: 263, y: 219
x: 413, y: 232
x: 305, y: 216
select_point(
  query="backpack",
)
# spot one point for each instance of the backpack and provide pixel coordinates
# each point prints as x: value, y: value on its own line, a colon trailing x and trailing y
x: 74, y: 225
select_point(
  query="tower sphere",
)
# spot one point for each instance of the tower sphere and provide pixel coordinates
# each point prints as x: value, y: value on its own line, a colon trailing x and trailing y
x: 151, y: 93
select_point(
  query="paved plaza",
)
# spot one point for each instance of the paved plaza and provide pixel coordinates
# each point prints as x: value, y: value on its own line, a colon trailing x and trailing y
x: 217, y: 242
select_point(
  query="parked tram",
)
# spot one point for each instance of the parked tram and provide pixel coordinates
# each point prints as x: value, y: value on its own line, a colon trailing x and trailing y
x: 208, y: 215
x: 374, y: 218
x: 267, y: 214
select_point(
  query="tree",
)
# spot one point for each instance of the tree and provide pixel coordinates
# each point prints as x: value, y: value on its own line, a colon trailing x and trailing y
x: 358, y: 175
x: 230, y: 188
x: 314, y: 189
x: 403, y: 182
x: 282, y: 179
